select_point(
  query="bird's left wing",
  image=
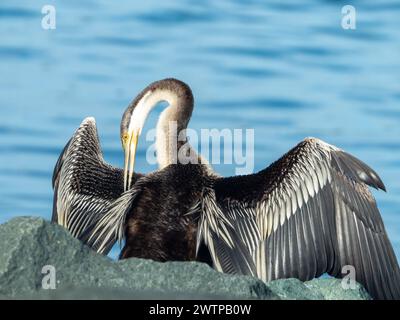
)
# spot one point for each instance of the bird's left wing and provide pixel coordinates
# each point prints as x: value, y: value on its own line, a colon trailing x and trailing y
x: 84, y: 184
x: 309, y: 213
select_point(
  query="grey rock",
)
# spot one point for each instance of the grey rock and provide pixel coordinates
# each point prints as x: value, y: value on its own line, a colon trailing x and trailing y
x: 317, y: 289
x: 332, y: 289
x: 28, y: 244
x: 294, y: 289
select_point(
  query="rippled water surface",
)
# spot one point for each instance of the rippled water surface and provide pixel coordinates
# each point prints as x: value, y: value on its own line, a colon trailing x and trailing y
x: 286, y: 69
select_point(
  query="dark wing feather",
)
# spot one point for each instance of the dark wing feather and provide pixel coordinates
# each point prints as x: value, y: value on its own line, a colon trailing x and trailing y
x: 309, y: 213
x: 84, y: 185
x: 55, y: 179
x: 110, y: 227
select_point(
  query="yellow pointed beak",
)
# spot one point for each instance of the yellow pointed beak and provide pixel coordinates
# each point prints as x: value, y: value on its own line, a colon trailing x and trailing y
x: 130, y: 152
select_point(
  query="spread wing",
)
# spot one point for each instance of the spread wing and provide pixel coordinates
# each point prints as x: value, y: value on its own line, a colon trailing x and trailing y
x: 309, y: 213
x: 110, y: 228
x: 84, y: 185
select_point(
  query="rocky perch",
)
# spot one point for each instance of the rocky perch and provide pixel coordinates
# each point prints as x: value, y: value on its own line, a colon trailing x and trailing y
x: 36, y: 256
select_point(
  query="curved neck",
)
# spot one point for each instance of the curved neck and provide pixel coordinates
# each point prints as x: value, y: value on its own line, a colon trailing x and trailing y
x: 173, y: 121
x: 171, y: 131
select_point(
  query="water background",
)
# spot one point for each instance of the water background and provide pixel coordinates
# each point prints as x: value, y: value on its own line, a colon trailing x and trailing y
x: 286, y: 69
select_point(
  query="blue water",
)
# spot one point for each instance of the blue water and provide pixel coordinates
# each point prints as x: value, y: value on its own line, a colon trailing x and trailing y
x: 286, y: 69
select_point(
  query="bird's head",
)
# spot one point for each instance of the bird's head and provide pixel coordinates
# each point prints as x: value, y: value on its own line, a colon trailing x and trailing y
x: 175, y: 93
x: 132, y: 123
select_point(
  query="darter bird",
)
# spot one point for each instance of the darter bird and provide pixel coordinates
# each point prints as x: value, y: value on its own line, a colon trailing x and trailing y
x: 311, y: 212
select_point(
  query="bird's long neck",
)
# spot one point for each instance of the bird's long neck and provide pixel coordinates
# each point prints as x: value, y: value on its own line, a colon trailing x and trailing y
x: 171, y: 130
x: 173, y: 120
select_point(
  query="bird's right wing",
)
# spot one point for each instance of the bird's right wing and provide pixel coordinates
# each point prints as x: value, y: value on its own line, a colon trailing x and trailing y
x: 110, y: 228
x: 84, y: 185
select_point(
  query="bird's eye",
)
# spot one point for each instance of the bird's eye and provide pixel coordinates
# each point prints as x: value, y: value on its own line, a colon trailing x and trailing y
x: 125, y: 138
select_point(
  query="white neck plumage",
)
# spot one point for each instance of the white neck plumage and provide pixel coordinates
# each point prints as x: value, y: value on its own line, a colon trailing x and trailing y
x: 171, y: 124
